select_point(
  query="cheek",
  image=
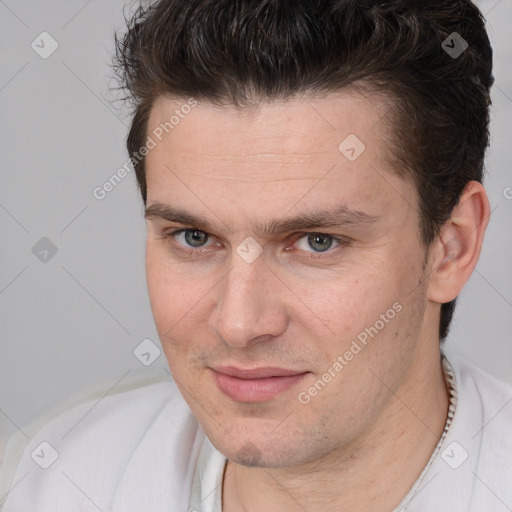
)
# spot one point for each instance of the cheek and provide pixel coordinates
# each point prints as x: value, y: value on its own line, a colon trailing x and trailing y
x: 346, y: 302
x: 177, y: 297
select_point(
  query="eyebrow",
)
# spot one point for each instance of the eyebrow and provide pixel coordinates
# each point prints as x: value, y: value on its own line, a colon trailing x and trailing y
x: 342, y: 216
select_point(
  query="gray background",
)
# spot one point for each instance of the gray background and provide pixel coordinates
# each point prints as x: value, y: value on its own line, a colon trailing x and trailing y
x: 71, y: 324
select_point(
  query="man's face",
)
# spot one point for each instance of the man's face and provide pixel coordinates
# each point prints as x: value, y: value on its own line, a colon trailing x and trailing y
x: 314, y: 290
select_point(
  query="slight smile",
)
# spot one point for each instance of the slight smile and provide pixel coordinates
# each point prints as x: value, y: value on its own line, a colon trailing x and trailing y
x: 255, y: 385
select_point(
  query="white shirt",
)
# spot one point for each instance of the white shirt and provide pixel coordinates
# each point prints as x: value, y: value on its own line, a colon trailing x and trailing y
x: 143, y: 451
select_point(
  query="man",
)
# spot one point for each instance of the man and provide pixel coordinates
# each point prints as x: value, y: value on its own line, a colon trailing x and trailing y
x: 311, y: 173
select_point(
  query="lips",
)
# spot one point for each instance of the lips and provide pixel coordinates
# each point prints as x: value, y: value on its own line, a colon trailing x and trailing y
x: 255, y: 385
x: 257, y: 373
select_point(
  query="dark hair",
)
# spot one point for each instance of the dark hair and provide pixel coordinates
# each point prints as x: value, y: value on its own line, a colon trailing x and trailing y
x: 242, y: 52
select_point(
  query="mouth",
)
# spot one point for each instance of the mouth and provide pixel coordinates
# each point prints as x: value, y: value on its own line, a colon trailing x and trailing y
x: 255, y: 385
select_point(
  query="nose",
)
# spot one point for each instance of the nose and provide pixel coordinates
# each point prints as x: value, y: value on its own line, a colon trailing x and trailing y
x: 248, y: 306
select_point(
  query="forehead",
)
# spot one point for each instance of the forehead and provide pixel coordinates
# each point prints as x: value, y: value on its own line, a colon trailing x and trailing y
x: 261, y: 162
x: 302, y: 126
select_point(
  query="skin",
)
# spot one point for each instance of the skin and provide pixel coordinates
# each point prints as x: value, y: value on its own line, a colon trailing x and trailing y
x: 363, y: 440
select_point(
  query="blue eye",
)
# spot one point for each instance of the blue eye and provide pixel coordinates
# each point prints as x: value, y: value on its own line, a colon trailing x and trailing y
x: 192, y: 237
x: 196, y: 238
x: 191, y: 242
x: 319, y: 242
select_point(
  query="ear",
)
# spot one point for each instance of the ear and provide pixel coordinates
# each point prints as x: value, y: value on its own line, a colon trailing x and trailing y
x: 455, y: 252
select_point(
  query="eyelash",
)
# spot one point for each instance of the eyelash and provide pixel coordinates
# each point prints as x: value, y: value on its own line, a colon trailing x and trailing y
x: 171, y: 235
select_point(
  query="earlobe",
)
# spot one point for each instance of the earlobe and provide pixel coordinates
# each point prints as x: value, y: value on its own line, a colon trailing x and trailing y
x: 455, y: 252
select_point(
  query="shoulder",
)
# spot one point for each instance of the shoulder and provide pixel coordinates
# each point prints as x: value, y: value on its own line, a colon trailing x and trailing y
x: 482, y: 422
x: 477, y: 384
x: 82, y: 455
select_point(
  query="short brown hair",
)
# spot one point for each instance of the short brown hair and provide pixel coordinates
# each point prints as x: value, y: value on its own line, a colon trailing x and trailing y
x: 243, y: 51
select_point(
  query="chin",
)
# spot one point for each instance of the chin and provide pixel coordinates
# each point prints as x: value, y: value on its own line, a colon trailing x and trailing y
x: 260, y: 453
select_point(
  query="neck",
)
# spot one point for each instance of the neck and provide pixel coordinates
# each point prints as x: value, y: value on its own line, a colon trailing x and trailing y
x: 373, y: 473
